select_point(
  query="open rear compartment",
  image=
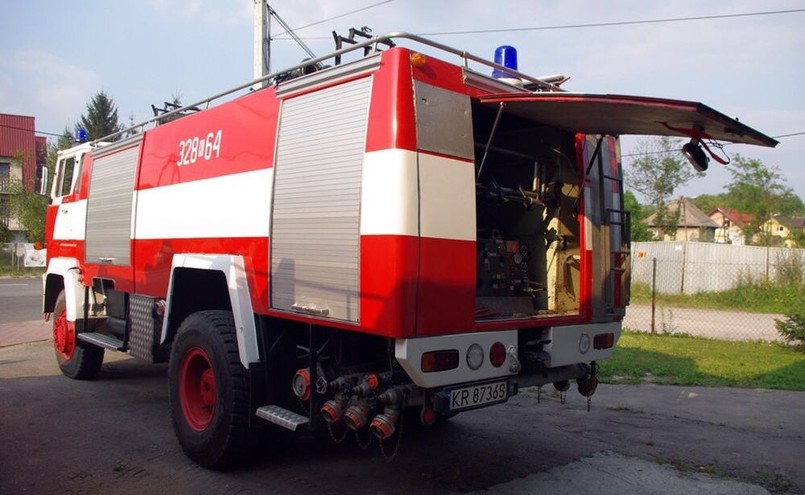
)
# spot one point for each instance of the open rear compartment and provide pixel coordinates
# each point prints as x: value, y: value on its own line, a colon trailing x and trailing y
x: 527, y: 202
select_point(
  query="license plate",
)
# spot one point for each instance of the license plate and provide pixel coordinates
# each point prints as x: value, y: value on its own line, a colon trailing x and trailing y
x: 478, y: 395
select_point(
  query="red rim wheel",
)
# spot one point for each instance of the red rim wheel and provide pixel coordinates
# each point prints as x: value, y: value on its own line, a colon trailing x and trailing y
x: 197, y: 389
x: 64, y: 335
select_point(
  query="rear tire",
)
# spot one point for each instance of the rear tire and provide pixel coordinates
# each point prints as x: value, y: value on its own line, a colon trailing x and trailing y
x: 77, y: 359
x: 209, y: 391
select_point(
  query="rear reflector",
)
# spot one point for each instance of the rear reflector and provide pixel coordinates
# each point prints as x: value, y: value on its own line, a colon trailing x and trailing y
x: 439, y: 361
x: 604, y: 340
x: 497, y: 354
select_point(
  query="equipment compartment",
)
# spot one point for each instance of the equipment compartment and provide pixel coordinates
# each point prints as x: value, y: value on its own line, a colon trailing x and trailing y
x: 527, y: 204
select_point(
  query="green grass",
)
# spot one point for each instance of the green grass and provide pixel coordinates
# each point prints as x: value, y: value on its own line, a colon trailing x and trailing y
x: 752, y: 297
x: 7, y: 271
x: 695, y: 361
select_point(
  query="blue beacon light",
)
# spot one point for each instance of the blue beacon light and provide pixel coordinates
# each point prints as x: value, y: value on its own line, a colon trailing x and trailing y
x: 506, y: 56
x: 80, y: 135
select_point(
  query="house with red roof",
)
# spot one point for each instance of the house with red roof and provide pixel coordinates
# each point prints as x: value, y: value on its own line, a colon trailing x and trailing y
x: 732, y: 225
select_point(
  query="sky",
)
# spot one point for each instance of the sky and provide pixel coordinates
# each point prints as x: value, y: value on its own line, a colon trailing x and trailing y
x: 55, y: 55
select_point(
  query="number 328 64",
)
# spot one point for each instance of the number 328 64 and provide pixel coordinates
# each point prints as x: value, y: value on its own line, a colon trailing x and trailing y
x: 196, y: 149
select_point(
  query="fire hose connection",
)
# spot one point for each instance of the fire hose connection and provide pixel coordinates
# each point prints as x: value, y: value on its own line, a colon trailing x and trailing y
x: 301, y: 384
x: 399, y: 394
x: 332, y: 410
x: 369, y: 385
x: 357, y: 416
x: 383, y: 425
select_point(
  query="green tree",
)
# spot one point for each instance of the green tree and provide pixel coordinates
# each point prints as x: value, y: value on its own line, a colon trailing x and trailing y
x: 797, y: 236
x: 790, y: 204
x: 100, y: 119
x: 639, y: 230
x: 657, y: 171
x: 759, y: 190
x: 28, y: 207
x: 64, y: 141
x: 133, y: 130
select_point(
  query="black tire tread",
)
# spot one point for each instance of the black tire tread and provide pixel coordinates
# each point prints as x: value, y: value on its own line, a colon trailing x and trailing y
x: 219, y: 328
x: 86, y: 361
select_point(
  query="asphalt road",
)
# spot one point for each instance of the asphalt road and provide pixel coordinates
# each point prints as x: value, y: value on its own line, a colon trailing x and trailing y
x: 113, y: 435
x: 710, y: 323
x: 20, y: 299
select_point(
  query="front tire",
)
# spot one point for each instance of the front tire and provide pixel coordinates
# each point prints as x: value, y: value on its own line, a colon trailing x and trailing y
x: 209, y: 391
x: 77, y: 359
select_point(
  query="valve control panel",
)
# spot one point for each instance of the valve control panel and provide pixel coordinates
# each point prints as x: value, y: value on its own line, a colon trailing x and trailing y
x: 503, y: 267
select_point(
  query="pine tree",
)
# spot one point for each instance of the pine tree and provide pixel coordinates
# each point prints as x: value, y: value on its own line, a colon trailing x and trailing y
x: 100, y: 119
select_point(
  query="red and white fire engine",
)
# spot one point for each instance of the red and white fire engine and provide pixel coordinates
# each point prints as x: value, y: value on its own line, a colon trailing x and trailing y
x: 386, y: 235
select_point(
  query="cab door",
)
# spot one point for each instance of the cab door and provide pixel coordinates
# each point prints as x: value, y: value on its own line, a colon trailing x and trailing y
x: 68, y: 209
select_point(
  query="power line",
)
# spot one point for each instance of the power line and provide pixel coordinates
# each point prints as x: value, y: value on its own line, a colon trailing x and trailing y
x: 789, y: 135
x: 646, y: 153
x: 25, y: 129
x: 600, y: 24
x: 618, y: 23
x: 336, y: 17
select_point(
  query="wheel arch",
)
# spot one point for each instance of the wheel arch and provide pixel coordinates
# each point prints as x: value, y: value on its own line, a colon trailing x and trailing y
x: 201, y: 282
x: 63, y: 274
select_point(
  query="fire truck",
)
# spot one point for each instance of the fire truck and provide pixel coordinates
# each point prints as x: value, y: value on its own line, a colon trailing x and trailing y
x: 399, y: 227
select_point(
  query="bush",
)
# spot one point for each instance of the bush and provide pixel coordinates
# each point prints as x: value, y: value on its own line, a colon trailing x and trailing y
x: 792, y: 328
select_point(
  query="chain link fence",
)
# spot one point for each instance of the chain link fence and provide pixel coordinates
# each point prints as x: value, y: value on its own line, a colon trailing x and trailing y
x: 712, y: 290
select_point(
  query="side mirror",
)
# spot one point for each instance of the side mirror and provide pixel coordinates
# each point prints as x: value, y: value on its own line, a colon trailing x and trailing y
x: 695, y: 154
x: 44, y: 181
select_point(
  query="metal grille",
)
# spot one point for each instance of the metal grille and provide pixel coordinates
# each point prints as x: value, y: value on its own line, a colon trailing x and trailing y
x: 109, y: 208
x: 315, y: 236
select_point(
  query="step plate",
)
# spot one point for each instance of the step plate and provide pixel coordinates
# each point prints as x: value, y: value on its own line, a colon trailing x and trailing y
x: 102, y: 340
x: 283, y: 417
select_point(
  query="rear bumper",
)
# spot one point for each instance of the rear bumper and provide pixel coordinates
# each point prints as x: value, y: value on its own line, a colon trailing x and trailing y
x: 408, y: 353
x: 561, y: 354
x: 577, y: 343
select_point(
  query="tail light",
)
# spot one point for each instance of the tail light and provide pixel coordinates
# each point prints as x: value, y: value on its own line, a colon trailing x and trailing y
x: 604, y: 341
x: 439, y: 361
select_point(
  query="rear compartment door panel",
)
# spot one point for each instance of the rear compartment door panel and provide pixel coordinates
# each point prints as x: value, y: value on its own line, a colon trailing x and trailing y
x: 621, y: 114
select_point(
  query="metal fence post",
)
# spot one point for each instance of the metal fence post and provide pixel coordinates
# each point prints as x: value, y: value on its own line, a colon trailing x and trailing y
x: 684, y: 267
x: 653, y: 292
